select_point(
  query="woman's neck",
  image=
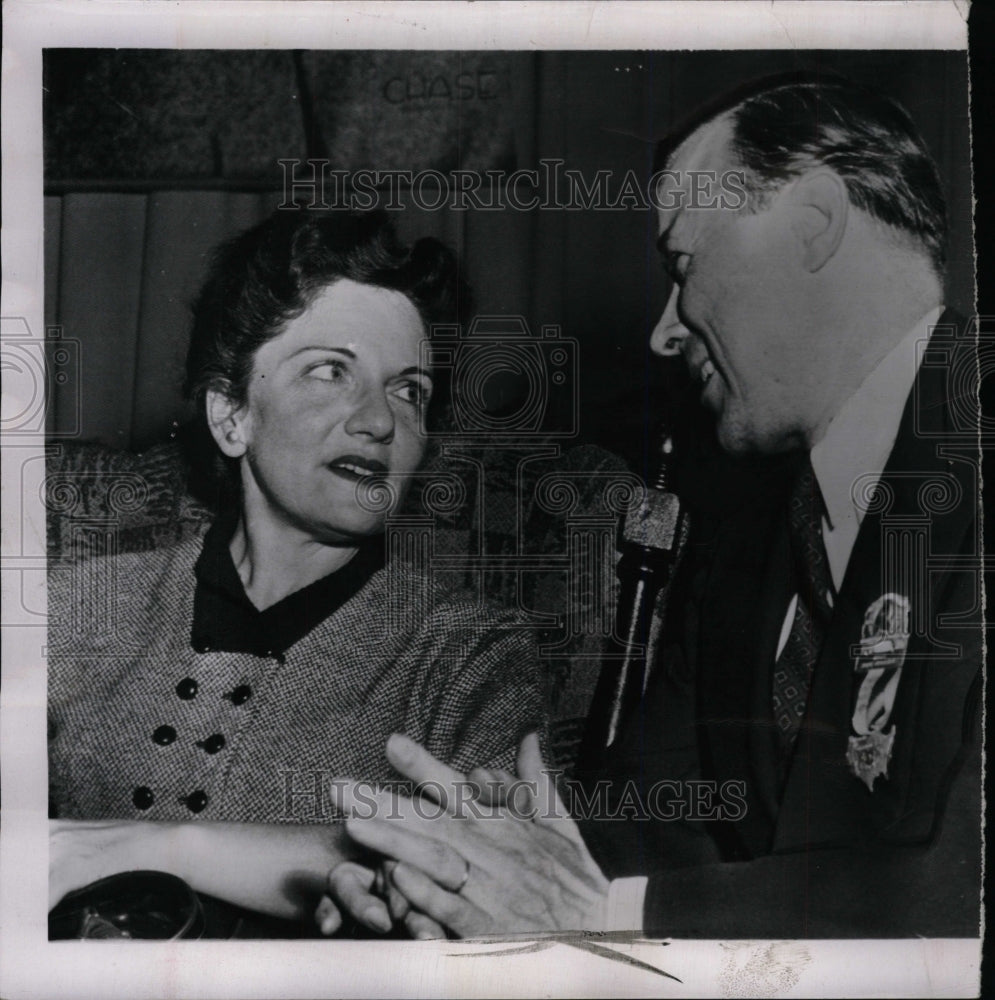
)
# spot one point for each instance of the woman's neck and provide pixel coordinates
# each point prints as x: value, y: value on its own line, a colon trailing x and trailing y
x: 274, y: 563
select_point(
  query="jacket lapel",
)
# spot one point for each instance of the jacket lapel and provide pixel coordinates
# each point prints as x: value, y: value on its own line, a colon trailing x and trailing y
x: 740, y: 620
x: 924, y: 510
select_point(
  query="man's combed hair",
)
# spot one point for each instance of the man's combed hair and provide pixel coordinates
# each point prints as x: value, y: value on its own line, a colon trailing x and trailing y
x: 789, y: 123
x: 868, y: 139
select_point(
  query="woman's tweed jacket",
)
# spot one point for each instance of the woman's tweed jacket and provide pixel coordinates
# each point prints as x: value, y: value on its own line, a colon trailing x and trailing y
x: 402, y: 655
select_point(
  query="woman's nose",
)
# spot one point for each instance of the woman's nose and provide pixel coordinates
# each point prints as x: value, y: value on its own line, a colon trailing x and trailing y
x: 372, y: 417
x: 669, y: 334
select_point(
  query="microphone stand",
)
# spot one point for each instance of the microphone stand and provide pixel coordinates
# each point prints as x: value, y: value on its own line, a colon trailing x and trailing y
x: 651, y: 540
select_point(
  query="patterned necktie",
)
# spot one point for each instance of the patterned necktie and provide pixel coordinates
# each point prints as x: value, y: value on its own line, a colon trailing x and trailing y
x: 814, y: 586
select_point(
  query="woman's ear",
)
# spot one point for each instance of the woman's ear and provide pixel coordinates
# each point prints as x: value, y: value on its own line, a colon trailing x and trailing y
x: 226, y: 420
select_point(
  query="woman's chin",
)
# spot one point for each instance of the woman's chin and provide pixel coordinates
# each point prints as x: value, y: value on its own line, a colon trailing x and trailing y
x: 348, y: 533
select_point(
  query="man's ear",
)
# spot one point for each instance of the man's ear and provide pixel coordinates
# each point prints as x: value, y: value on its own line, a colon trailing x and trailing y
x: 226, y: 419
x: 821, y: 205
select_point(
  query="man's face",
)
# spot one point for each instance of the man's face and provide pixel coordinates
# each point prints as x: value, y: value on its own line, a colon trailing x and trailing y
x: 736, y: 309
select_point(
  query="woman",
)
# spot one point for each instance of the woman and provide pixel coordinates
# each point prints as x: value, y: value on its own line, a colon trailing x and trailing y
x: 203, y: 697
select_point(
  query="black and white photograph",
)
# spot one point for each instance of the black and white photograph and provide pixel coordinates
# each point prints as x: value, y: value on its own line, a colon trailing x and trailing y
x: 491, y: 508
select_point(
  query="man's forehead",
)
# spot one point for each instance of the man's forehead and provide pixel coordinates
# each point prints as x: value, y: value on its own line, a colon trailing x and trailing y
x: 706, y: 149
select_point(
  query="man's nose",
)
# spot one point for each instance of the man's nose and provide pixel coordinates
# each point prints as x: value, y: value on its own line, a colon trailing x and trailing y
x: 669, y: 334
x: 372, y: 417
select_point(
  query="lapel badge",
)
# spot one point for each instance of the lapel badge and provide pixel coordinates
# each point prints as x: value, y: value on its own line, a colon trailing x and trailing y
x: 884, y: 638
x: 869, y: 755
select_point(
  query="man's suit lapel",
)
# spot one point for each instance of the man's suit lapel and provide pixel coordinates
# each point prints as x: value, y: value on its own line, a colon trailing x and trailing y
x: 923, y: 507
x: 738, y: 630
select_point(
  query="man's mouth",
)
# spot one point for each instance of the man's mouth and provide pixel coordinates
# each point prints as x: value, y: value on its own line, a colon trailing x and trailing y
x: 355, y: 467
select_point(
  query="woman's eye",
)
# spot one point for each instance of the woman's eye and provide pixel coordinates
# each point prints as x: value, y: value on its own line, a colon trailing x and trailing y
x: 329, y: 371
x: 414, y: 393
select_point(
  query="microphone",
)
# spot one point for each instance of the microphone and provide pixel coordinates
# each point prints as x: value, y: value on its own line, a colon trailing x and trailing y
x: 652, y: 535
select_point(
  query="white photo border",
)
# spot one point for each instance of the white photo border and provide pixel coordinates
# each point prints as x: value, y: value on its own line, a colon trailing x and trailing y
x: 34, y: 967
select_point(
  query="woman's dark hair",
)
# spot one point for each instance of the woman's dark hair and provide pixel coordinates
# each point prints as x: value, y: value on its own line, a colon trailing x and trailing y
x: 270, y: 274
x: 266, y: 277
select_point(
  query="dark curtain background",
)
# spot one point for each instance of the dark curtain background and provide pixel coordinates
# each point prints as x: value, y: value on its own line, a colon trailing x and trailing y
x: 153, y: 157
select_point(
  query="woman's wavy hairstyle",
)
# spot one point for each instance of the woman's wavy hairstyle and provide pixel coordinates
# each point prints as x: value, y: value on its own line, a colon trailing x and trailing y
x: 269, y: 275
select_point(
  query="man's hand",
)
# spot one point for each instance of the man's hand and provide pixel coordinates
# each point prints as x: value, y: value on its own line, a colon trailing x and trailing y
x: 512, y: 867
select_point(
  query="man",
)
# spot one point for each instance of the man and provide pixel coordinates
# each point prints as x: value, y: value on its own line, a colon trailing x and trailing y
x: 826, y: 673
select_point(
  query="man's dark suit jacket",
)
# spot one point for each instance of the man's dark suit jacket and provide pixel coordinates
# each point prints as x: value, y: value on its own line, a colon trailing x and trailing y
x: 827, y: 857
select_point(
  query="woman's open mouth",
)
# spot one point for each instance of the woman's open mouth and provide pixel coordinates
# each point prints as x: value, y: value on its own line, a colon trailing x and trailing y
x: 356, y: 467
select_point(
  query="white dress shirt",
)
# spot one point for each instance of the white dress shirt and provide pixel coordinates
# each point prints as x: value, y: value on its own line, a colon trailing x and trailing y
x: 848, y: 462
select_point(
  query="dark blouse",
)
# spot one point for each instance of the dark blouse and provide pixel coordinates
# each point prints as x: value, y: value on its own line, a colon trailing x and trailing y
x: 225, y: 620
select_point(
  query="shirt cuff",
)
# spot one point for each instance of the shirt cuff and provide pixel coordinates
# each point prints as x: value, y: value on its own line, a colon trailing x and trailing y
x: 624, y: 910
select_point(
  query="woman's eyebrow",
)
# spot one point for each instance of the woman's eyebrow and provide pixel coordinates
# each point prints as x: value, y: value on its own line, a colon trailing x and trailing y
x: 323, y: 347
x: 415, y: 370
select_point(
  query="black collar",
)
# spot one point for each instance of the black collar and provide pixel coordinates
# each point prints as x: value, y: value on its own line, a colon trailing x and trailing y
x: 224, y: 619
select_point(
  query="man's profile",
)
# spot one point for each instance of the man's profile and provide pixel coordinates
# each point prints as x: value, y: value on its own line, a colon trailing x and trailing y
x: 826, y: 648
